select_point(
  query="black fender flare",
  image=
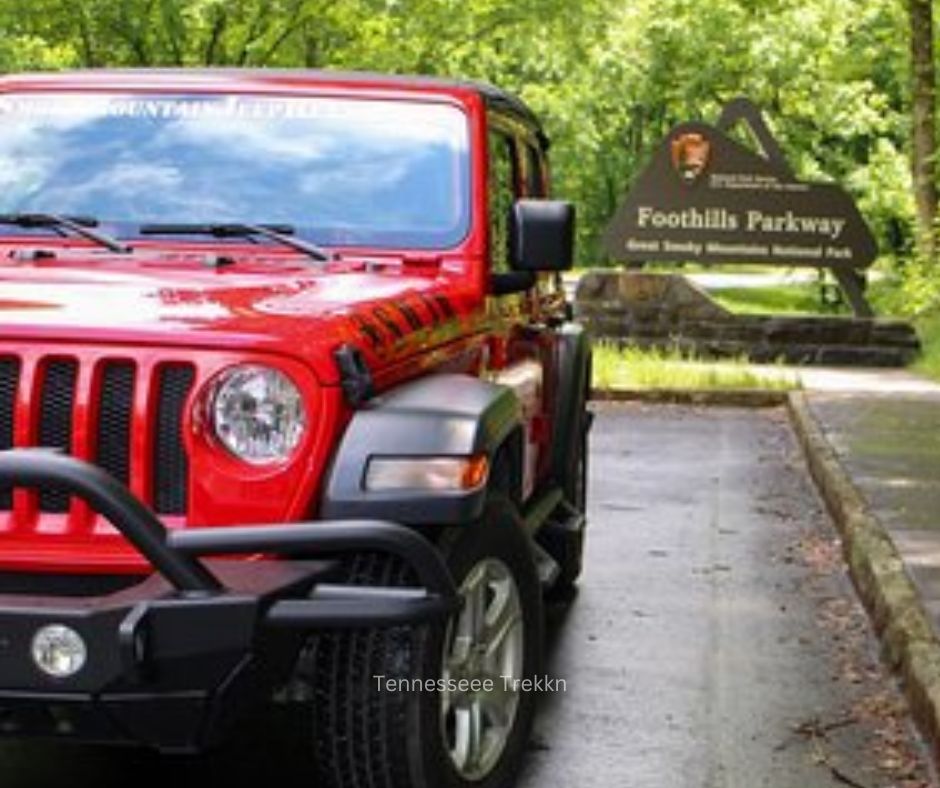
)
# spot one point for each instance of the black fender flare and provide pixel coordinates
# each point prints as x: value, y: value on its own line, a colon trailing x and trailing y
x: 573, y: 358
x: 434, y: 416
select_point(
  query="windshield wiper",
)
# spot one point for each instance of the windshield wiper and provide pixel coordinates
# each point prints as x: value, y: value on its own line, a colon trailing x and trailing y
x: 281, y: 233
x: 78, y: 225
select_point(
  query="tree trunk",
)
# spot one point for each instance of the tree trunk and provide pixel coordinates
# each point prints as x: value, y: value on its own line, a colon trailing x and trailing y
x: 924, y: 122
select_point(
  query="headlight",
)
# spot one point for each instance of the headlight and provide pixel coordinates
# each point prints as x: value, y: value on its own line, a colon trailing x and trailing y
x: 258, y: 414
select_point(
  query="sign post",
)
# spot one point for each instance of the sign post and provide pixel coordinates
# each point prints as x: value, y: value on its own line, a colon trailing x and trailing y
x: 706, y: 198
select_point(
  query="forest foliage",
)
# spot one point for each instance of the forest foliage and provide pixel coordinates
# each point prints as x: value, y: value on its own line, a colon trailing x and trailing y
x: 609, y: 78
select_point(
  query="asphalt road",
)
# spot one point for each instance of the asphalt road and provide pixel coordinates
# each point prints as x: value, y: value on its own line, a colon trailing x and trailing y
x: 715, y: 641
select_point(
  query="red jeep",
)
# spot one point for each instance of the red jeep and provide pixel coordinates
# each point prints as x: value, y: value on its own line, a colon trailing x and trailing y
x: 292, y: 415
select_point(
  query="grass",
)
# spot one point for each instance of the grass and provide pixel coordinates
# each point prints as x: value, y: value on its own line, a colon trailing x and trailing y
x: 928, y: 327
x: 635, y: 368
x: 802, y: 299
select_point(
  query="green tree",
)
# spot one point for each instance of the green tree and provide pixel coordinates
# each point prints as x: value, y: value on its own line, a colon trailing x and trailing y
x: 609, y: 78
x: 924, y: 111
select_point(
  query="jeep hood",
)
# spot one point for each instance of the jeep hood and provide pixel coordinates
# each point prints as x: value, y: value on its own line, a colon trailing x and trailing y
x: 287, y: 308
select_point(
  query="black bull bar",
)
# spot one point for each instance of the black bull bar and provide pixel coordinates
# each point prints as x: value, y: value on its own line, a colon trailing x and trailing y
x: 172, y: 658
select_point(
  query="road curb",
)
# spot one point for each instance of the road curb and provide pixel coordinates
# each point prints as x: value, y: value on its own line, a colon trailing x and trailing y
x: 893, y: 602
x: 738, y: 398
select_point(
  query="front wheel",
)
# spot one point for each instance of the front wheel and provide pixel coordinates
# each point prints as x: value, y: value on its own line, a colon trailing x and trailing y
x: 444, y: 706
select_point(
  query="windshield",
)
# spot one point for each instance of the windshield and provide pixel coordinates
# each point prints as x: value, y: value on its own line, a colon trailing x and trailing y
x: 342, y: 171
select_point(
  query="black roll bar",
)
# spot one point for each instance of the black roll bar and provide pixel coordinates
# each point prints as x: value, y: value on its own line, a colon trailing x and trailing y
x: 39, y: 468
x: 175, y: 555
x: 327, y: 536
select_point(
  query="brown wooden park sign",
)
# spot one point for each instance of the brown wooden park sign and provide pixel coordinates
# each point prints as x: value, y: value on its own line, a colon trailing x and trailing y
x: 706, y: 198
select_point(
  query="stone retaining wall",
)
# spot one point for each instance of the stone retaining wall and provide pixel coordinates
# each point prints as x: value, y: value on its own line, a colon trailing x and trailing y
x: 667, y: 310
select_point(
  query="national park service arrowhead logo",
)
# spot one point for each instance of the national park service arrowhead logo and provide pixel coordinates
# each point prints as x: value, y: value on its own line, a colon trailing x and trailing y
x: 690, y: 153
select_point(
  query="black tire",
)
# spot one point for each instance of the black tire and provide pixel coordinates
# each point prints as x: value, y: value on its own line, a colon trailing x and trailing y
x: 569, y: 547
x: 365, y: 735
x: 564, y: 545
x: 563, y: 536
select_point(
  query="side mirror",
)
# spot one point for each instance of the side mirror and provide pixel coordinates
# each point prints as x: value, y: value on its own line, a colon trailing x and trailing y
x: 541, y: 236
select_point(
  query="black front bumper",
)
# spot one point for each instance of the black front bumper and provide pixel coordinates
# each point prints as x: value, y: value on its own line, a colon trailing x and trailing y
x: 173, y: 660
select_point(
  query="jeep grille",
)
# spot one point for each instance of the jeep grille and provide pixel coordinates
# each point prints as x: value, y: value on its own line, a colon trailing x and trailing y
x: 90, y: 414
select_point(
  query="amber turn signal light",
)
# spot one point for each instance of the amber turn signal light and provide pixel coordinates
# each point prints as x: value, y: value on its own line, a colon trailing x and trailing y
x: 443, y: 474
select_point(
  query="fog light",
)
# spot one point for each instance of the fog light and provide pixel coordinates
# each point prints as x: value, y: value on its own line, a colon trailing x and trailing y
x: 59, y: 651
